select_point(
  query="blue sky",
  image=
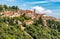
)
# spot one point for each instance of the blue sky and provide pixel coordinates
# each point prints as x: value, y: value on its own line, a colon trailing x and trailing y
x: 50, y: 7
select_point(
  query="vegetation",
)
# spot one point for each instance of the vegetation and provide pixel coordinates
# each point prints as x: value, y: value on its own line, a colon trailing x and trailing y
x: 11, y: 29
x: 40, y: 32
x: 5, y: 7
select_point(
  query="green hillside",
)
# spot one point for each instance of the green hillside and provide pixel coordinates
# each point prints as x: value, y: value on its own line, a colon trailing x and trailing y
x: 11, y: 27
x: 11, y: 30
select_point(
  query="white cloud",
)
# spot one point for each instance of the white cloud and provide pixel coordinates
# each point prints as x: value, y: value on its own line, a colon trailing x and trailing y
x: 54, y: 0
x: 42, y: 2
x: 10, y: 0
x: 40, y: 9
x: 24, y: 4
x: 37, y: 2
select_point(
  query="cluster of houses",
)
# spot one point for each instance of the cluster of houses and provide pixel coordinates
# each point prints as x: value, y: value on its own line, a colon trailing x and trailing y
x: 27, y: 13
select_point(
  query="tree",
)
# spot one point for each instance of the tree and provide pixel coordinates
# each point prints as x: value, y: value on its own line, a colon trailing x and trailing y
x: 15, y: 7
x: 5, y: 6
x: 1, y: 8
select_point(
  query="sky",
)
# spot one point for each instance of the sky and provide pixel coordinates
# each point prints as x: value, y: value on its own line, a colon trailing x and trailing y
x: 49, y: 7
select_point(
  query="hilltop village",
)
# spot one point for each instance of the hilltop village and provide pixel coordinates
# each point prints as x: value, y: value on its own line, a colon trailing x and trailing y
x: 14, y: 11
x: 16, y: 23
x: 28, y: 13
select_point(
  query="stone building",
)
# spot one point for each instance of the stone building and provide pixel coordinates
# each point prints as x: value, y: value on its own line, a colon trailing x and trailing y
x: 28, y: 22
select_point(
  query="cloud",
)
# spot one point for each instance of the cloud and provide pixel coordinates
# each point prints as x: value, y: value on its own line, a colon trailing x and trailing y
x: 40, y: 9
x: 39, y: 2
x: 24, y: 4
x: 54, y: 0
x: 42, y: 2
x: 10, y: 0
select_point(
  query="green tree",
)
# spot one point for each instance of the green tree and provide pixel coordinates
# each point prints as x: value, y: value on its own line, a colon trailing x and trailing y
x: 1, y: 8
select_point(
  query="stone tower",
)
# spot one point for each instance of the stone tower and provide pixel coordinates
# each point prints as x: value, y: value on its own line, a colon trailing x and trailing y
x: 34, y: 10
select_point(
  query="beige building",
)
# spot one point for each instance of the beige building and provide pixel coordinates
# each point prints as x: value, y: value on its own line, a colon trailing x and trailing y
x: 28, y: 22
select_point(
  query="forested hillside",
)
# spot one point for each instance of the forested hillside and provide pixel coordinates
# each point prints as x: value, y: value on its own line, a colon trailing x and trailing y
x: 12, y: 30
x: 18, y: 28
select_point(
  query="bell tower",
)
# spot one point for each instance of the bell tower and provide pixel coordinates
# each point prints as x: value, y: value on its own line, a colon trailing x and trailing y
x: 34, y: 10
